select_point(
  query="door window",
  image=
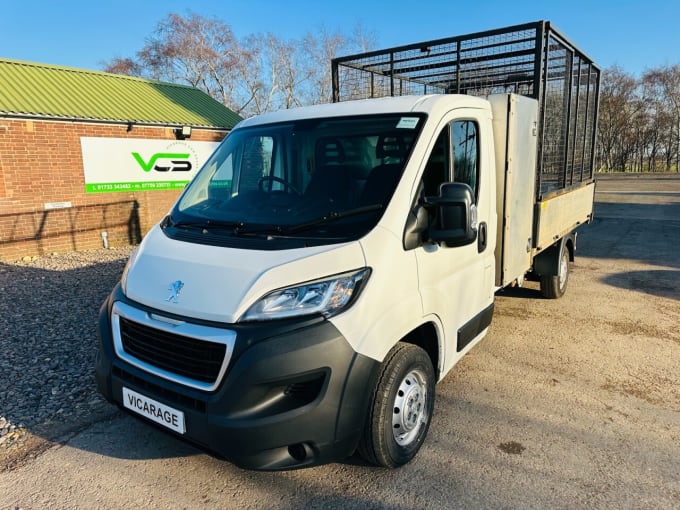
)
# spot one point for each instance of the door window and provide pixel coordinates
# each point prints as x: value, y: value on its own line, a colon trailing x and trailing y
x: 454, y: 157
x: 465, y: 152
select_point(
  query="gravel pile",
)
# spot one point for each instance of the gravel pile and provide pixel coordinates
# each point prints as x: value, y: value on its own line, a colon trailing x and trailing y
x: 48, y: 315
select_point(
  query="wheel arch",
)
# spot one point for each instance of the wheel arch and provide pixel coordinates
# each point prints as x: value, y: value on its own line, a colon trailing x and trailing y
x: 426, y: 337
x: 570, y: 243
x: 547, y: 262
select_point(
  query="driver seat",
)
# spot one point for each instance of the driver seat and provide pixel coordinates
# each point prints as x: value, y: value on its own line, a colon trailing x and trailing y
x: 330, y: 182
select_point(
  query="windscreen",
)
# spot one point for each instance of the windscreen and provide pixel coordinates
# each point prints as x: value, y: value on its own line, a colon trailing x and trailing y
x: 321, y: 178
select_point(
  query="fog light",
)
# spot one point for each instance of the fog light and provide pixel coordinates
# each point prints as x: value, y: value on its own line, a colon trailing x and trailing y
x: 298, y: 451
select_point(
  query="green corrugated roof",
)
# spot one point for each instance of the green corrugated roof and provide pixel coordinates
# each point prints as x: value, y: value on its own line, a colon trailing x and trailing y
x: 47, y: 91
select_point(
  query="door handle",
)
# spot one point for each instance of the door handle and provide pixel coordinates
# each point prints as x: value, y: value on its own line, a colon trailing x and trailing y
x: 481, y: 237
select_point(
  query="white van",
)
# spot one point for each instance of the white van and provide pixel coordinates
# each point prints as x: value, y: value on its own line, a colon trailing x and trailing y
x: 326, y: 267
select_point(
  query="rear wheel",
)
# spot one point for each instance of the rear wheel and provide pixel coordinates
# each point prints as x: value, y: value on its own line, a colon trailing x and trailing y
x: 401, y: 408
x: 554, y: 286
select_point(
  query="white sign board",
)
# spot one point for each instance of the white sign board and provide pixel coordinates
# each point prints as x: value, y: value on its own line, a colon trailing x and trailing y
x: 138, y: 164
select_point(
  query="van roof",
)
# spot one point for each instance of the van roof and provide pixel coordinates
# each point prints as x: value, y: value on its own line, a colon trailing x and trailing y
x: 401, y: 104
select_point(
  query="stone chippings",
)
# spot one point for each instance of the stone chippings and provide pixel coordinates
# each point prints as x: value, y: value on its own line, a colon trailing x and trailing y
x: 48, y: 315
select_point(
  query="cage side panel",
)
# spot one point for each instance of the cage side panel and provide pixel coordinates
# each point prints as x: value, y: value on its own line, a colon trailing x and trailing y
x: 589, y: 98
x: 569, y: 112
x: 491, y: 62
x: 555, y: 121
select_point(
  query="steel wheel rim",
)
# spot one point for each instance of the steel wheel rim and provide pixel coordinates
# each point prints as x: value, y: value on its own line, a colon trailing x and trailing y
x: 409, y: 412
x: 564, y: 269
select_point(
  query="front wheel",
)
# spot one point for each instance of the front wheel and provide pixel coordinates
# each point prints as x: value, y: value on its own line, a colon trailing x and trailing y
x: 401, y: 408
x: 554, y: 286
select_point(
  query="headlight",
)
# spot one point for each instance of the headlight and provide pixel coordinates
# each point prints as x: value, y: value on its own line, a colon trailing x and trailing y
x: 328, y: 297
x: 131, y: 260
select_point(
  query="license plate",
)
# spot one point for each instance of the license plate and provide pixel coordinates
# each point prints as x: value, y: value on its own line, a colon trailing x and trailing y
x: 154, y: 410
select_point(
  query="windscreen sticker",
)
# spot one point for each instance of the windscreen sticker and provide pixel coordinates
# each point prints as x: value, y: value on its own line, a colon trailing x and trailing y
x: 407, y: 123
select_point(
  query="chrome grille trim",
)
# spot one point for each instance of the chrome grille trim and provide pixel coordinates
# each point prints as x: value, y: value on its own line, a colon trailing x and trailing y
x: 173, y: 327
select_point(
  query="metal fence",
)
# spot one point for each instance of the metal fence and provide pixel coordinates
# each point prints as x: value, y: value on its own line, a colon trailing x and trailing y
x: 531, y: 59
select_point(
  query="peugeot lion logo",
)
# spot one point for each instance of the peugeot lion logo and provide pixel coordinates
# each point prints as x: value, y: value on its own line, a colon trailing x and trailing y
x: 175, y: 289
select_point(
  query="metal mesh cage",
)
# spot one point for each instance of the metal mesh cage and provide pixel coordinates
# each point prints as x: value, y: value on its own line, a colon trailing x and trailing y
x: 531, y: 60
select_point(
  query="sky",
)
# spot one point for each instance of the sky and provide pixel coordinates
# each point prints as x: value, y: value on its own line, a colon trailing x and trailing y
x: 635, y: 35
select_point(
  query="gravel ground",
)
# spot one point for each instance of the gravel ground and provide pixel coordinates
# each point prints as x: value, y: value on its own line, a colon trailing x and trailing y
x: 570, y: 403
x: 48, y: 313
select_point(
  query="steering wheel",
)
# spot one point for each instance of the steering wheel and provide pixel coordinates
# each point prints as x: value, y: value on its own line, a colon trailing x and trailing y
x: 286, y: 184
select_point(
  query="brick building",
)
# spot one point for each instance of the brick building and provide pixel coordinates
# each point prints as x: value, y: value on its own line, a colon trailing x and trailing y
x: 68, y: 135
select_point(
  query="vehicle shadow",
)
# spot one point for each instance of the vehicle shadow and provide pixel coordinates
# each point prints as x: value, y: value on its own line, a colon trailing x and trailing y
x: 637, y: 233
x: 662, y: 282
x: 647, y: 233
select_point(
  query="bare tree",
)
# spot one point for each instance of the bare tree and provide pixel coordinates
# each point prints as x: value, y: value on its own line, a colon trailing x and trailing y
x: 664, y: 84
x: 271, y: 81
x: 195, y: 50
x: 125, y: 66
x: 618, y: 109
x: 292, y: 75
x: 659, y: 138
x: 258, y: 74
x: 319, y: 48
x: 639, y: 119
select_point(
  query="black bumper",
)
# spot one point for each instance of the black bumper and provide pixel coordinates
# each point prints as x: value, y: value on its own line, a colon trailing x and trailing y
x: 295, y: 393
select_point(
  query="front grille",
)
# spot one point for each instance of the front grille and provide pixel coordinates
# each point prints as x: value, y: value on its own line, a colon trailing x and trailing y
x: 193, y: 358
x: 187, y: 353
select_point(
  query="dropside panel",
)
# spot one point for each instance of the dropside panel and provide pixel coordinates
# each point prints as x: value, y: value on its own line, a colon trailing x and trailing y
x: 561, y: 214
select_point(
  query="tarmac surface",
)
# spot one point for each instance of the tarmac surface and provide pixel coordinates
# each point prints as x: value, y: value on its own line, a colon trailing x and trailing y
x: 569, y: 403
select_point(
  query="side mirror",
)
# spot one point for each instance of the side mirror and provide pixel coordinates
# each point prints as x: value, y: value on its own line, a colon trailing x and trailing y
x: 456, y: 223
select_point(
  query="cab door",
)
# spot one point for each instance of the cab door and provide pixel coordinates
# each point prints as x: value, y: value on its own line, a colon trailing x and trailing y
x: 456, y: 283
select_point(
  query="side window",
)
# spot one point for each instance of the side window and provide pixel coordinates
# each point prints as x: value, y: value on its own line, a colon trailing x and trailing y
x: 455, y: 157
x: 465, y: 150
x: 438, y: 167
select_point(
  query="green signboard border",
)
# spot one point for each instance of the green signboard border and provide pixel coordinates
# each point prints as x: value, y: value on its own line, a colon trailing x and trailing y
x: 127, y: 187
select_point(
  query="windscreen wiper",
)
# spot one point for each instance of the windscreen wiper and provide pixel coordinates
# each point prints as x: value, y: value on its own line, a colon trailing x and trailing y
x: 332, y: 216
x: 207, y: 224
x: 236, y: 228
x: 256, y: 229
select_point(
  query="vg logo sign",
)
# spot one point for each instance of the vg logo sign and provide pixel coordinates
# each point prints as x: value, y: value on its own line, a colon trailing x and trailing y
x: 138, y: 164
x: 165, y: 161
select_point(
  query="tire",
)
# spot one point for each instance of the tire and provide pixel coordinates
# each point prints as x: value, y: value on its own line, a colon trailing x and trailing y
x: 401, y: 408
x: 554, y: 286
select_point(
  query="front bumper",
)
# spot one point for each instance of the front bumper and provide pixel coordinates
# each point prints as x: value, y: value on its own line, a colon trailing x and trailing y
x: 295, y: 393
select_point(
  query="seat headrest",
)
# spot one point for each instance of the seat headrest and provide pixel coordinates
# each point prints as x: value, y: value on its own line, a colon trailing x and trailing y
x: 390, y: 146
x: 329, y: 151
